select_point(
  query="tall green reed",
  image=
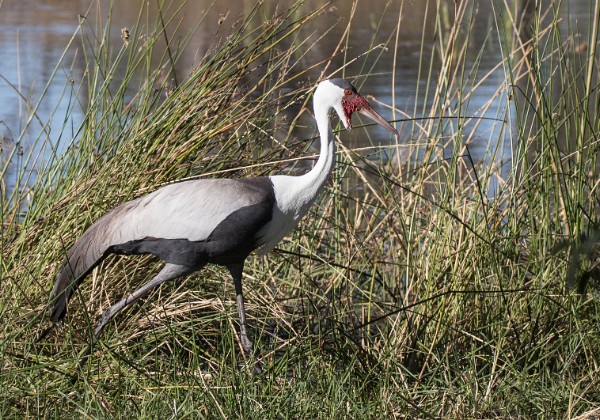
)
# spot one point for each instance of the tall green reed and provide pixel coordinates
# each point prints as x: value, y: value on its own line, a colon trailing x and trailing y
x: 429, y: 286
x: 139, y: 130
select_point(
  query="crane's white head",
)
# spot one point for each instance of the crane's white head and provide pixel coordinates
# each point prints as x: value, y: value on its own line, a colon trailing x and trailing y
x: 340, y: 95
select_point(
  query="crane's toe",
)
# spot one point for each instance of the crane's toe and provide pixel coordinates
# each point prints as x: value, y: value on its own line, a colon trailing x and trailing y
x: 247, y: 344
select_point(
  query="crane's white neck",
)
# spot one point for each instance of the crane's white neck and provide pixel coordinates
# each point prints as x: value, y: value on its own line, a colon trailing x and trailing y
x: 295, y: 194
x: 315, y: 179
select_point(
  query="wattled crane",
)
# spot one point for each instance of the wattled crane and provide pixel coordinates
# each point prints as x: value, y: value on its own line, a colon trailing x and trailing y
x: 221, y: 221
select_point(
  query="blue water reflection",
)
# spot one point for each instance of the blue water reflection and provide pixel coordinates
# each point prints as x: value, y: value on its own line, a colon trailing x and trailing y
x: 36, y: 33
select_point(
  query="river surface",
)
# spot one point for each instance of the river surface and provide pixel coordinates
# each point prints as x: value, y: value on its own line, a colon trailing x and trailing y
x: 34, y: 36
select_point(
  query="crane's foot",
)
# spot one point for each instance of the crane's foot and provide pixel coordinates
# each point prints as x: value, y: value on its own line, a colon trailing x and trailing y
x: 248, y: 349
x: 247, y: 345
x: 105, y: 317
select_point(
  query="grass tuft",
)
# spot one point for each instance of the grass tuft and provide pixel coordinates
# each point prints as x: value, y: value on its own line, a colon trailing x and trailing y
x: 430, y: 280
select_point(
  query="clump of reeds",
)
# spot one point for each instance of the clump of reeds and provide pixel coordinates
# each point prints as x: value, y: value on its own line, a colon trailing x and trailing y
x: 429, y: 286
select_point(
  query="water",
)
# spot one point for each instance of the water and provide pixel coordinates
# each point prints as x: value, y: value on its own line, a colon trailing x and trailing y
x: 35, y: 34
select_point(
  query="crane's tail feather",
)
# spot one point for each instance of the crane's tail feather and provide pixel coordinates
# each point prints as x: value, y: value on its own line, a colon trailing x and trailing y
x: 75, y: 268
x: 89, y: 250
x: 84, y: 255
x: 61, y: 292
x: 66, y: 284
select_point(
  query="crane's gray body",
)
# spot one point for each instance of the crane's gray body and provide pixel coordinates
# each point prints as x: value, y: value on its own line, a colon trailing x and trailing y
x: 193, y: 223
x: 178, y: 223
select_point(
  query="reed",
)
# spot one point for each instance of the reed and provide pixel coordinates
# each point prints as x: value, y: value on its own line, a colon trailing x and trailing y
x: 425, y: 283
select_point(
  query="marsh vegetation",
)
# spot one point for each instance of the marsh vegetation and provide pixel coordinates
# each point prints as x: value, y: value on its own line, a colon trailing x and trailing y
x: 428, y: 281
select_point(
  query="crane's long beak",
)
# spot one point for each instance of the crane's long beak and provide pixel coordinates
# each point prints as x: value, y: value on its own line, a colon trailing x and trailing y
x: 370, y: 113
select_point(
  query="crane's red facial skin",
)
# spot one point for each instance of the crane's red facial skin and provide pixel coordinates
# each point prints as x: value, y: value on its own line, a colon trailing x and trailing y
x: 352, y: 102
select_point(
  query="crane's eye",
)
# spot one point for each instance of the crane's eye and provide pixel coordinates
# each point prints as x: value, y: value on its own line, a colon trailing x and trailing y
x: 347, y: 91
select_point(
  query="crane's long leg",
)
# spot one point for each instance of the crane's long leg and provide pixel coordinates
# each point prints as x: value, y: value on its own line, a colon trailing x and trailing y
x: 236, y: 273
x: 169, y: 272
